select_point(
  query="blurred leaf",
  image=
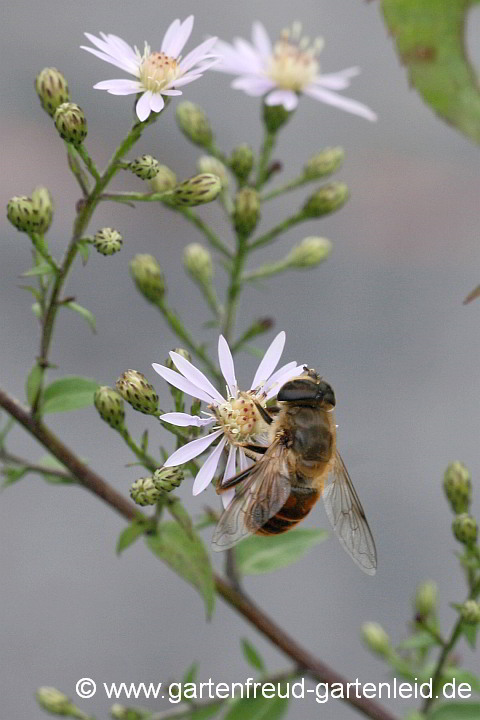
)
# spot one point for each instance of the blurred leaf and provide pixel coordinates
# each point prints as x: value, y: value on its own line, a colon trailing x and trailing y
x: 461, y: 676
x: 260, y: 554
x: 144, y: 443
x: 470, y: 633
x: 68, y: 393
x: 206, y: 520
x: 455, y: 711
x: 181, y: 516
x: 51, y: 463
x: 430, y: 38
x: 5, y: 430
x: 186, y: 555
x: 131, y: 533
x: 42, y: 269
x: 472, y: 295
x: 419, y: 641
x: 204, y: 713
x: 35, y: 291
x: 86, y: 314
x: 84, y: 250
x: 252, y: 656
x: 32, y: 384
x: 190, y: 674
x: 258, y: 708
x: 12, y: 474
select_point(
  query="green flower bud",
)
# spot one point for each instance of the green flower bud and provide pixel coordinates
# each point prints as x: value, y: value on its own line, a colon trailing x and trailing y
x: 457, y: 483
x: 470, y: 612
x: 120, y: 712
x: 376, y: 638
x: 71, y: 123
x: 110, y: 406
x: 194, y: 123
x: 167, y: 479
x: 144, y: 492
x: 465, y: 529
x: 165, y: 179
x: 247, y: 211
x: 144, y: 167
x: 275, y: 116
x: 241, y: 161
x: 209, y: 164
x: 326, y: 199
x: 198, y: 263
x: 107, y: 241
x: 148, y: 277
x: 309, y: 253
x: 196, y: 190
x: 52, y: 89
x: 42, y: 209
x: 54, y: 701
x: 20, y: 213
x: 134, y: 387
x: 324, y: 163
x: 180, y: 351
x: 426, y: 598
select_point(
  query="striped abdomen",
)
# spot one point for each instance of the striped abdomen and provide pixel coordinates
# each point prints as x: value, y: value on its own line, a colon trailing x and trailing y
x: 299, y: 503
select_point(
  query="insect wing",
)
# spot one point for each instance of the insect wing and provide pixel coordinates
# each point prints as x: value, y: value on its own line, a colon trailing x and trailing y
x: 263, y: 493
x: 347, y: 517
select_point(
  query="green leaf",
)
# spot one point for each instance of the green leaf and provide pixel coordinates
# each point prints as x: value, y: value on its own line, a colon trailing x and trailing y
x: 68, y: 393
x: 37, y: 310
x: 86, y: 314
x: 190, y: 674
x: 455, y: 711
x: 32, y: 385
x: 461, y: 676
x: 83, y: 247
x: 37, y: 294
x: 430, y: 39
x: 470, y: 633
x: 42, y: 269
x: 252, y: 656
x: 131, y: 533
x: 181, y: 516
x: 13, y: 474
x: 144, y: 443
x: 421, y: 640
x: 187, y: 557
x: 260, y: 554
x: 51, y: 463
x: 204, y: 713
x: 258, y: 708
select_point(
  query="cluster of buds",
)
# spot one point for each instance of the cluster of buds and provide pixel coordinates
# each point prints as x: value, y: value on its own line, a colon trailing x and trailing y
x: 110, y: 406
x: 457, y: 484
x: 241, y: 162
x: 326, y: 200
x: 247, y: 211
x: 145, y: 167
x: 376, y: 638
x: 194, y: 124
x: 107, y: 241
x: 148, y: 277
x: 134, y: 387
x: 149, y: 490
x: 164, y: 180
x: 31, y: 214
x: 324, y: 163
x: 197, y: 190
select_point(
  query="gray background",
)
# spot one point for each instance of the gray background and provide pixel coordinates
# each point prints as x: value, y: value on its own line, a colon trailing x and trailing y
x: 382, y: 320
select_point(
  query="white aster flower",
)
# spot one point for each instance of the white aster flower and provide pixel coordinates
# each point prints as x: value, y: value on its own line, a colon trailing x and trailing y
x: 158, y: 73
x: 234, y: 419
x: 285, y: 70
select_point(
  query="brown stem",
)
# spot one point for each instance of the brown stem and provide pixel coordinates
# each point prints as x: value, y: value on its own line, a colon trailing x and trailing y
x: 312, y: 666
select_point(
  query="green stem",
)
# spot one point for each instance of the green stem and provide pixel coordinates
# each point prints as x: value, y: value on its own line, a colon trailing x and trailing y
x: 235, y: 287
x: 265, y: 155
x: 89, y: 164
x: 278, y: 230
x: 77, y: 170
x: 147, y: 460
x: 41, y: 248
x: 265, y: 271
x: 292, y: 185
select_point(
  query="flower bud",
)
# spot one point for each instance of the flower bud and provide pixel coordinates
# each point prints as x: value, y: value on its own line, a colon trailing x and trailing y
x: 275, y: 116
x: 134, y: 387
x: 144, y: 167
x: 196, y: 190
x: 42, y: 209
x: 247, y: 211
x: 326, y: 199
x: 324, y: 163
x: 52, y: 89
x: 20, y: 213
x: 180, y: 351
x: 107, y: 241
x: 465, y: 529
x: 54, y: 701
x: 457, y: 484
x: 194, y: 123
x: 470, y: 612
x: 144, y: 492
x: 164, y: 180
x: 309, y: 253
x: 426, y: 599
x: 120, y: 712
x: 198, y: 263
x: 376, y: 638
x: 148, y: 277
x: 209, y: 164
x: 110, y: 406
x: 241, y: 161
x: 71, y: 123
x: 166, y: 479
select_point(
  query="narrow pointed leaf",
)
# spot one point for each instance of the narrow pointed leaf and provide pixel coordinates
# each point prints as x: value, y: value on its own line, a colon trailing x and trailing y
x: 261, y: 554
x: 68, y: 393
x: 86, y: 314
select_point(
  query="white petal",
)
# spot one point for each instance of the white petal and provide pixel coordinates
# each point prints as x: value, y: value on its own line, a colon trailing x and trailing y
x: 178, y: 381
x: 157, y: 103
x: 171, y: 92
x: 282, y: 379
x: 244, y: 461
x: 111, y: 55
x: 128, y: 67
x: 261, y: 40
x: 269, y: 361
x: 251, y: 58
x: 331, y: 98
x: 253, y: 85
x: 337, y: 81
x: 195, y: 376
x: 287, y: 98
x: 181, y: 37
x: 111, y: 47
x: 119, y: 87
x: 207, y: 63
x: 191, y: 450
x: 169, y: 36
x: 185, y: 420
x: 231, y: 61
x: 227, y: 367
x: 273, y: 378
x: 185, y: 80
x: 142, y: 107
x: 197, y: 54
x: 127, y: 51
x: 227, y: 497
x: 207, y: 471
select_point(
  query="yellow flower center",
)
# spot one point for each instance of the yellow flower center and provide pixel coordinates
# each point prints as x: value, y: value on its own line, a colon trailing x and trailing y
x: 293, y: 64
x: 158, y: 71
x: 239, y: 418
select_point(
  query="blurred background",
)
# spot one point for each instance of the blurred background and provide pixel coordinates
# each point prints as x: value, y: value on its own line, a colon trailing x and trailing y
x: 382, y: 320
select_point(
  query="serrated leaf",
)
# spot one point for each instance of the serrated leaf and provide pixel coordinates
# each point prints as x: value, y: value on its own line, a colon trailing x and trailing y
x: 455, y: 711
x: 84, y: 250
x: 258, y: 708
x: 252, y: 656
x: 32, y: 385
x: 261, y: 554
x: 41, y: 269
x: 86, y: 314
x: 131, y: 533
x: 430, y: 39
x: 68, y: 393
x: 187, y: 557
